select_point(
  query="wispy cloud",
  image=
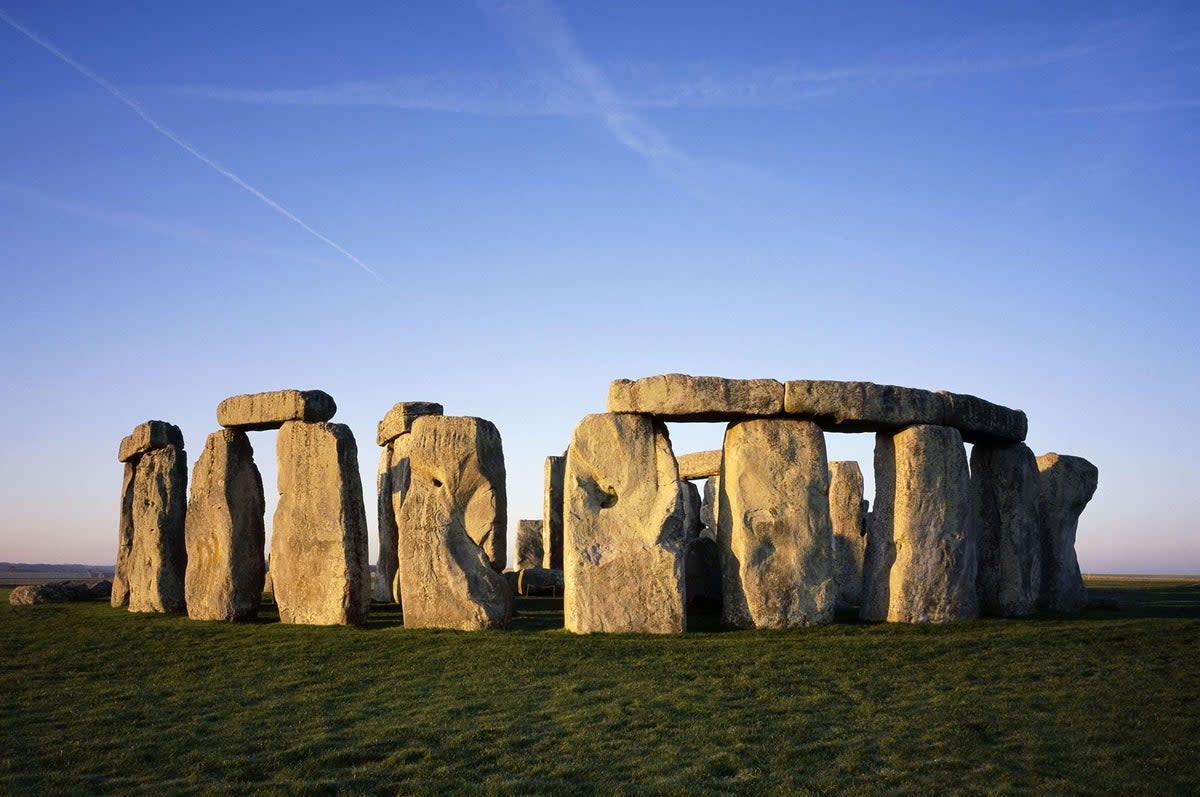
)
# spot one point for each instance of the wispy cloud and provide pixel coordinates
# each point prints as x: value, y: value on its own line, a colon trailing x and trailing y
x: 174, y: 138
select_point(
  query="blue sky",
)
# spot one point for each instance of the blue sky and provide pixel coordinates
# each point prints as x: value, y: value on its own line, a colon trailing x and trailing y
x: 503, y: 206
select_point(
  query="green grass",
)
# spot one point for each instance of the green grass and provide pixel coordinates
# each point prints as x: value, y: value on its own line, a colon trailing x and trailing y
x: 96, y: 700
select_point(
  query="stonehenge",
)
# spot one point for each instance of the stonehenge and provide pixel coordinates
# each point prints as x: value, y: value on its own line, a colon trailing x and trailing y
x: 779, y: 538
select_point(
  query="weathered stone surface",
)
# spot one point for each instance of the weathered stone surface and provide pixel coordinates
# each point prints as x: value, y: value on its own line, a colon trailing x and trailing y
x: 400, y: 417
x: 710, y: 507
x: 259, y: 411
x: 1004, y: 495
x: 1067, y: 484
x: 981, y: 421
x: 60, y: 591
x: 389, y: 534
x: 623, y: 528
x: 700, y: 465
x: 773, y: 530
x: 542, y: 581
x: 861, y: 406
x: 692, y: 524
x: 158, y: 557
x: 120, y: 589
x: 932, y: 577
x: 552, y: 514
x: 529, y: 544
x: 319, y: 568
x: 702, y: 568
x: 880, y: 553
x: 849, y: 530
x: 452, y: 515
x: 225, y: 533
x: 678, y: 397
x: 147, y: 437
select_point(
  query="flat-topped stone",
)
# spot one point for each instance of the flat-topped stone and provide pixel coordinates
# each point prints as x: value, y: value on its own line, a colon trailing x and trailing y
x: 400, y: 417
x: 679, y: 397
x: 700, y: 465
x: 861, y: 406
x: 255, y: 412
x: 982, y: 421
x: 147, y: 437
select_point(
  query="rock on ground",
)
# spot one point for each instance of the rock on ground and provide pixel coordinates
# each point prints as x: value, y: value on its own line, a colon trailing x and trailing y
x: 1004, y: 496
x: 158, y: 557
x: 260, y: 411
x: 400, y: 417
x: 539, y: 581
x: 774, y: 533
x: 849, y: 537
x: 451, y: 519
x: 225, y: 533
x: 678, y: 397
x: 319, y: 568
x: 623, y: 528
x: 529, y: 544
x: 552, y: 514
x: 1067, y: 484
x: 60, y: 591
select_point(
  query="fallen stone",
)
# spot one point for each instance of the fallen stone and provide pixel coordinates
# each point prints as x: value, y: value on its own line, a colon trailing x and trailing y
x: 623, y: 535
x: 702, y: 569
x: 932, y: 579
x: 700, y: 465
x: 224, y: 531
x: 1067, y: 484
x: 540, y: 581
x: 1004, y: 494
x: 774, y: 533
x: 552, y: 513
x: 147, y: 437
x: 529, y: 544
x: 260, y: 411
x: 692, y: 524
x: 120, y: 590
x: 451, y: 521
x: 400, y: 417
x: 389, y: 535
x: 60, y: 592
x: 981, y: 421
x: 849, y: 530
x: 678, y: 397
x: 319, y: 568
x: 158, y: 557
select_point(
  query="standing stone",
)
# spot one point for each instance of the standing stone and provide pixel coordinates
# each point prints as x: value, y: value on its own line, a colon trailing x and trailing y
x: 319, y: 567
x: 692, y: 524
x: 932, y: 579
x: 710, y: 507
x: 1067, y: 484
x: 388, y: 562
x: 880, y: 553
x: 158, y: 558
x: 623, y: 528
x: 224, y: 531
x: 1004, y: 494
x: 451, y: 512
x: 120, y: 582
x: 529, y: 544
x: 849, y: 537
x: 702, y: 567
x: 773, y: 531
x: 552, y: 514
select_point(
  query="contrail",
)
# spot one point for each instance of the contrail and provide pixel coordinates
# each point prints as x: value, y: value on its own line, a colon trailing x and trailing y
x: 167, y: 133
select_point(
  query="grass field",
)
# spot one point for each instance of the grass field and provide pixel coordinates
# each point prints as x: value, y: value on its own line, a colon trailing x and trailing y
x: 97, y: 700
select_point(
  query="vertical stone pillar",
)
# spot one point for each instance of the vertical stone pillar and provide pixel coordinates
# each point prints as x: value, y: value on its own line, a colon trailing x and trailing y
x: 932, y: 579
x: 623, y: 535
x: 388, y: 562
x: 319, y: 564
x: 710, y: 507
x: 1004, y: 496
x: 552, y: 514
x: 120, y: 583
x: 774, y: 533
x: 1067, y: 484
x: 849, y: 537
x: 158, y: 557
x: 450, y: 506
x: 225, y: 536
x: 529, y: 544
x: 692, y: 524
x: 880, y: 552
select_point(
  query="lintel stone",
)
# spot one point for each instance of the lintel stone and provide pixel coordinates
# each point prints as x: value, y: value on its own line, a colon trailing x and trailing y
x: 147, y: 437
x: 260, y: 411
x: 400, y: 417
x: 679, y: 397
x: 700, y: 465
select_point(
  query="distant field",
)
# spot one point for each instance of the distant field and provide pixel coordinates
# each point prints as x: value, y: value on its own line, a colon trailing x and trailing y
x: 97, y: 700
x: 10, y: 578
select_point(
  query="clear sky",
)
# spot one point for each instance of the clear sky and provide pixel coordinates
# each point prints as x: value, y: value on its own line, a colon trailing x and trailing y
x: 503, y: 206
